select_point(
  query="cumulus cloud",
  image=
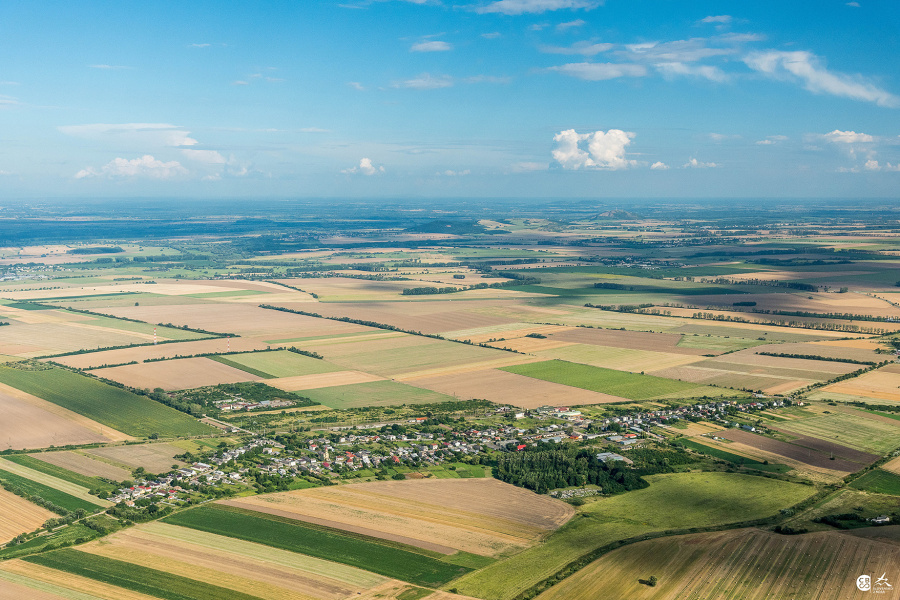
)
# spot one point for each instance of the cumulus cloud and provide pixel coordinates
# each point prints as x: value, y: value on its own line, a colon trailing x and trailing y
x: 771, y: 140
x: 425, y: 81
x: 143, y: 167
x: 848, y: 137
x: 659, y: 166
x: 696, y: 164
x: 432, y: 46
x: 519, y: 7
x: 600, y: 71
x: 874, y: 165
x: 365, y: 167
x: 596, y: 150
x: 130, y: 134
x: 809, y: 70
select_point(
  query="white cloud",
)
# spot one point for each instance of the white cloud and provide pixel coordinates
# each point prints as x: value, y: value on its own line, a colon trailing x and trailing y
x: 109, y: 67
x: 240, y: 82
x: 659, y: 166
x: 772, y: 139
x: 716, y: 19
x: 696, y: 164
x: 848, y: 137
x: 451, y: 173
x: 873, y: 165
x: 853, y: 4
x: 145, y: 166
x: 765, y: 142
x: 432, y: 46
x: 356, y: 85
x: 671, y: 69
x: 205, y: 156
x: 519, y: 7
x: 8, y: 102
x: 425, y: 81
x: 9, y: 83
x: 604, y: 150
x: 365, y: 167
x: 491, y: 35
x: 809, y: 70
x: 487, y: 79
x: 600, y: 71
x: 583, y: 48
x: 129, y: 134
x: 199, y: 45
x: 570, y: 24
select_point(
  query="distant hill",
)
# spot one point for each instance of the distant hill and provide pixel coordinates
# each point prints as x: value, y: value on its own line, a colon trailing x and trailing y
x: 617, y: 215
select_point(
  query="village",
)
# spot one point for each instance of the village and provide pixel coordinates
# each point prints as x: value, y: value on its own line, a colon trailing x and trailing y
x: 374, y: 449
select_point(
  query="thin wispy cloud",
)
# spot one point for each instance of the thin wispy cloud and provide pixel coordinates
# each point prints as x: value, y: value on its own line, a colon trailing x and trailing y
x: 582, y: 48
x: 570, y: 25
x: 520, y: 7
x: 693, y: 163
x: 431, y: 46
x: 109, y: 67
x: 425, y: 81
x: 600, y: 71
x: 721, y: 19
x: 809, y: 71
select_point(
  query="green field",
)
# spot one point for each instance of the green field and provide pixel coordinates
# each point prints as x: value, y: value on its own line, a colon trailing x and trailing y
x: 63, y: 535
x: 354, y: 550
x: 279, y: 363
x: 673, y: 501
x: 718, y: 343
x: 374, y: 393
x: 858, y: 432
x: 609, y: 381
x: 878, y: 481
x: 134, y: 577
x: 48, y: 493
x: 59, y: 472
x: 734, y: 458
x: 111, y: 406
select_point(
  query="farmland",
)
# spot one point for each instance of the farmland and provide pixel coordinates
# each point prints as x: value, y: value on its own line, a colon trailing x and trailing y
x: 664, y: 340
x: 671, y: 502
x: 608, y: 381
x: 328, y: 544
x: 746, y: 564
x: 479, y: 516
x: 113, y: 407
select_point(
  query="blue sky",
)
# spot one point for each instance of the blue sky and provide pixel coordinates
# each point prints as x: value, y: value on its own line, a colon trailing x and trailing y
x: 433, y: 98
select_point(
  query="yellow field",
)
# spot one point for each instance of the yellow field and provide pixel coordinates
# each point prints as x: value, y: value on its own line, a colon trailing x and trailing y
x: 155, y: 458
x: 83, y: 464
x: 141, y: 353
x: 176, y: 374
x: 67, y: 585
x: 481, y: 516
x: 18, y: 515
x: 509, y: 388
x: 883, y: 384
x: 747, y: 564
x: 893, y: 466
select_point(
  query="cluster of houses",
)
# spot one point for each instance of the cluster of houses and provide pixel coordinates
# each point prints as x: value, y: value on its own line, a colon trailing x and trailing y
x: 237, y: 403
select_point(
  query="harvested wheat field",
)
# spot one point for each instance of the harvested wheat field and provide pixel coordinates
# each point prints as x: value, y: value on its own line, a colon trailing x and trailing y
x: 321, y: 380
x: 142, y: 353
x: 31, y: 422
x: 881, y: 384
x: 18, y: 515
x: 39, y: 339
x: 155, y: 458
x: 635, y: 340
x: 481, y: 516
x: 82, y: 464
x: 13, y: 587
x: 744, y: 564
x: 621, y: 359
x: 892, y: 465
x: 509, y: 388
x: 66, y: 585
x: 241, y: 566
x: 176, y: 374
